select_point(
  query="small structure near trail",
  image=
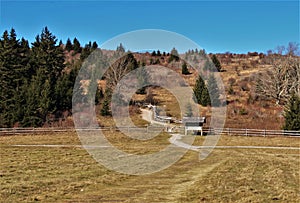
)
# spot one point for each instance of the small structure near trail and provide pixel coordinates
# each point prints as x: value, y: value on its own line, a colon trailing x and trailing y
x: 190, y: 123
x: 193, y: 123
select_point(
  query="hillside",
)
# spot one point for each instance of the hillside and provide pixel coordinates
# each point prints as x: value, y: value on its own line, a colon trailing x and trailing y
x: 38, y: 82
x: 239, y: 73
x: 245, y: 109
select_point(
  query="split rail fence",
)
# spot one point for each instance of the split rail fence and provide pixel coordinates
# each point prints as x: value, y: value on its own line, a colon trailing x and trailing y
x: 206, y: 131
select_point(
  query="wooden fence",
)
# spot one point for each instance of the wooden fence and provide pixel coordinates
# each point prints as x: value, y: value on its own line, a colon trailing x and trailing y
x: 17, y: 131
x: 253, y: 132
x: 206, y: 131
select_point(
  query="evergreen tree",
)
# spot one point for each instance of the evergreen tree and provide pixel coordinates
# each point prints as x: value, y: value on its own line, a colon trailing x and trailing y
x: 19, y: 104
x: 292, y: 113
x: 31, y: 117
x: 202, y: 52
x: 153, y: 53
x: 198, y: 89
x: 69, y: 45
x: 158, y: 53
x: 14, y: 71
x: 213, y: 91
x: 174, y: 55
x: 184, y: 69
x: 208, y: 66
x: 216, y: 62
x: 201, y: 92
x: 64, y: 90
x: 121, y: 48
x: 86, y: 51
x: 67, y: 86
x: 37, y: 99
x: 105, y: 110
x: 76, y: 46
x: 132, y: 63
x: 24, y: 54
x: 47, y: 56
x: 174, y: 52
x: 143, y: 80
x: 48, y: 62
x: 205, y: 99
x: 95, y: 45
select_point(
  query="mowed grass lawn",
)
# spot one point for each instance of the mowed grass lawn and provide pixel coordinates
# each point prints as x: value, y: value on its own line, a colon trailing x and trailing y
x: 69, y: 174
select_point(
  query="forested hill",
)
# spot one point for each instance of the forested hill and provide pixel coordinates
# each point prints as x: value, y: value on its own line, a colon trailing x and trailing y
x: 37, y: 81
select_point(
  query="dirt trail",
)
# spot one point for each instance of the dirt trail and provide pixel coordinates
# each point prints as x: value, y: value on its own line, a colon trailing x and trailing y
x: 179, y: 189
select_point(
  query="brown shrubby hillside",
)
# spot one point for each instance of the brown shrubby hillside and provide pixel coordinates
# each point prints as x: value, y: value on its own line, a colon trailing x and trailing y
x: 37, y: 81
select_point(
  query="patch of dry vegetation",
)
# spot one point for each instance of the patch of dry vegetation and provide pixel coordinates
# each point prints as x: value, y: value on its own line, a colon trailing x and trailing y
x: 244, y: 108
x: 70, y: 174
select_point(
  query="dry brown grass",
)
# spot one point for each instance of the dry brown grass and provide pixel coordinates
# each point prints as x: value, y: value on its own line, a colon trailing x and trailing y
x: 70, y: 174
x: 243, y: 109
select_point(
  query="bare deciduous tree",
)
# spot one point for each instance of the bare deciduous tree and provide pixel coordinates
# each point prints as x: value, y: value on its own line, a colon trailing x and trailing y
x: 281, y: 79
x: 119, y: 69
x: 293, y: 48
x: 280, y: 49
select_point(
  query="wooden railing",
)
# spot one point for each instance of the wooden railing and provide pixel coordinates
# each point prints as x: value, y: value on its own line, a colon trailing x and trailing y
x: 206, y: 131
x: 252, y: 132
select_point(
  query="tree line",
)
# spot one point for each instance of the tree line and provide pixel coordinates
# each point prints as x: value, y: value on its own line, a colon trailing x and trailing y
x: 36, y: 82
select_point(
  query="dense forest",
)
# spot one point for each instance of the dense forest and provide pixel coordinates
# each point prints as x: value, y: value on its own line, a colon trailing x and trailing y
x: 36, y: 81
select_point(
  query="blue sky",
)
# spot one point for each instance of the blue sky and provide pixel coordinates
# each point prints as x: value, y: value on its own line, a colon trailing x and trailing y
x: 217, y: 26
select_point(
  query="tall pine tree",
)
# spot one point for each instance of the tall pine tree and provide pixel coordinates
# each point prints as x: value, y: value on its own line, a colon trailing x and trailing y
x: 69, y: 45
x: 201, y: 92
x: 198, y: 89
x: 216, y: 62
x: 292, y: 113
x: 76, y: 46
x: 14, y: 71
x: 184, y: 69
x: 213, y: 91
x: 205, y: 98
x: 143, y: 79
x: 48, y: 63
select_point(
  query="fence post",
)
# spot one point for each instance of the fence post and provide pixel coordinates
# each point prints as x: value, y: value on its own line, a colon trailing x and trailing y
x: 246, y: 132
x: 265, y: 133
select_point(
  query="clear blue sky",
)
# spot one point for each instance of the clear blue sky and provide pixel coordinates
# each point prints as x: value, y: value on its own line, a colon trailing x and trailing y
x: 217, y: 26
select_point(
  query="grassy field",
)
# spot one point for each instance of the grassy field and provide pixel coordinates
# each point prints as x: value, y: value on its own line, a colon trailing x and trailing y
x: 70, y: 174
